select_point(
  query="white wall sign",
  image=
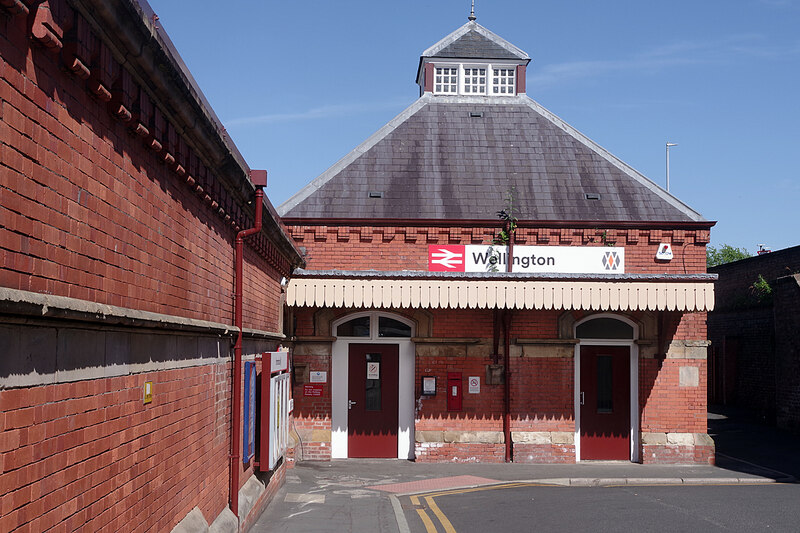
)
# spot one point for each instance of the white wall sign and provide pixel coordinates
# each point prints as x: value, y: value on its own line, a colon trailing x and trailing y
x: 664, y: 252
x: 279, y: 361
x: 318, y: 377
x: 532, y: 259
x: 474, y: 384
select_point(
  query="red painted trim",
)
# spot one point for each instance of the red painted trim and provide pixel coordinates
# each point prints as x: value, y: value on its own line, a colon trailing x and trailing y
x: 266, y: 399
x: 507, y: 380
x: 521, y: 79
x: 428, y: 81
x: 236, y: 405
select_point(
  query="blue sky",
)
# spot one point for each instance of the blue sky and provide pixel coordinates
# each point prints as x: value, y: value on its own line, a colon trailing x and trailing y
x: 300, y: 84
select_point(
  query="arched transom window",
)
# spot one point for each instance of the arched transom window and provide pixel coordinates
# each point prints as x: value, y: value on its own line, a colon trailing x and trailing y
x: 375, y: 326
x: 604, y: 328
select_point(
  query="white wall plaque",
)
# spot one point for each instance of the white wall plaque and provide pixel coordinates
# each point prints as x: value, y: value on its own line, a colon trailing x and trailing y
x: 664, y: 252
x: 318, y: 377
x: 474, y: 385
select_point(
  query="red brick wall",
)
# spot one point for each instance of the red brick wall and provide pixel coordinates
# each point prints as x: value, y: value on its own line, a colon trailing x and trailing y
x: 678, y: 455
x: 459, y: 452
x: 787, y: 347
x: 542, y: 394
x: 90, y: 212
x: 480, y: 412
x: 666, y: 407
x: 733, y: 288
x: 401, y: 247
x: 90, y: 455
x: 312, y: 413
x: 746, y: 330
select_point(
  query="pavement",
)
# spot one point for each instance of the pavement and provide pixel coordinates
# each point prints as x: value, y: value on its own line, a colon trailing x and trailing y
x: 362, y: 494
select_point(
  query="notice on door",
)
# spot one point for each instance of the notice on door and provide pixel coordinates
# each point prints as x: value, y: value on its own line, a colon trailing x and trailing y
x: 373, y: 370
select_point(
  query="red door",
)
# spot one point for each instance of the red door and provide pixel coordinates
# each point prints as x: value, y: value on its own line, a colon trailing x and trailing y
x: 372, y: 390
x: 605, y: 402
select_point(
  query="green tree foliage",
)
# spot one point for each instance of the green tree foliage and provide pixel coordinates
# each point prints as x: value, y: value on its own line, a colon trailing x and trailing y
x: 724, y: 254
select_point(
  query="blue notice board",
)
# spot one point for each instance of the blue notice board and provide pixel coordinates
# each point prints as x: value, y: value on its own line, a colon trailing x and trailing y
x: 249, y: 443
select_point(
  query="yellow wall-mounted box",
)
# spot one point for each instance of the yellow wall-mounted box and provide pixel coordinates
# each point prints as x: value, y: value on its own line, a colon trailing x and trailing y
x: 148, y: 391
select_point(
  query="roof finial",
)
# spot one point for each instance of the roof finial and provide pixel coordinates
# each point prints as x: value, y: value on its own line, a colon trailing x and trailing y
x: 472, y: 12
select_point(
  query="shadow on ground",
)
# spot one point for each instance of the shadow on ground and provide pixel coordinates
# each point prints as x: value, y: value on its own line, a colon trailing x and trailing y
x: 744, y: 444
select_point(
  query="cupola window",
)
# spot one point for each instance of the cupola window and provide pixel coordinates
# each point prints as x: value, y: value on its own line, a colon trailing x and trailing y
x: 503, y: 81
x: 481, y: 80
x: 447, y: 80
x: 475, y: 80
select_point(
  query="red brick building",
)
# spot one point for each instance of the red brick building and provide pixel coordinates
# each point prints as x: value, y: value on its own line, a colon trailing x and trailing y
x: 121, y: 201
x: 414, y: 339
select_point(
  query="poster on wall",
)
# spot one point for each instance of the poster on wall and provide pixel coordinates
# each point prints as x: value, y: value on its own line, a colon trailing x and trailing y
x: 249, y: 444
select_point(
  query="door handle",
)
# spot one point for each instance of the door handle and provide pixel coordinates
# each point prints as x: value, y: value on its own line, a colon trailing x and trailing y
x: 581, y: 398
x: 350, y: 404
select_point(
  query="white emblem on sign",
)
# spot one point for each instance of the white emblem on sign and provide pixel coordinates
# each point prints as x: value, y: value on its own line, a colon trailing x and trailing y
x: 373, y: 370
x: 446, y: 258
x: 611, y: 261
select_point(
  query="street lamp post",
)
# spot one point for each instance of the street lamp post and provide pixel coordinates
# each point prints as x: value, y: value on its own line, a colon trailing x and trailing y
x: 668, y: 145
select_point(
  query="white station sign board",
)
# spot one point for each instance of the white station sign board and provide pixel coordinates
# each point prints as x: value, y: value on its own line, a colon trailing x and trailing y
x: 531, y: 259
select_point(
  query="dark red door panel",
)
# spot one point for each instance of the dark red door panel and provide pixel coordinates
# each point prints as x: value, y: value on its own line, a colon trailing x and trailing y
x: 605, y: 402
x: 372, y: 390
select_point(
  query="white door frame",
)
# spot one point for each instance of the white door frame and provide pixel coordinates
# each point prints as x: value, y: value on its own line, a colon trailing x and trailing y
x: 634, y: 379
x: 339, y: 380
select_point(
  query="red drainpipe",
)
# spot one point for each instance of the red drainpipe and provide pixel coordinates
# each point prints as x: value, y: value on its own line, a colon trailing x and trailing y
x: 259, y: 179
x: 507, y: 355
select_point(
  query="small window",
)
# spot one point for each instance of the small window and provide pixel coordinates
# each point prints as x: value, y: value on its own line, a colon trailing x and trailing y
x: 604, y: 328
x: 475, y: 81
x: 372, y: 393
x: 389, y: 327
x: 605, y: 384
x: 357, y: 327
x: 503, y: 81
x: 446, y: 80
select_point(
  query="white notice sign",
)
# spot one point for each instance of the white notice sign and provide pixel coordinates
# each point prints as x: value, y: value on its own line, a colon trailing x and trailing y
x: 318, y: 377
x: 474, y: 385
x: 373, y: 370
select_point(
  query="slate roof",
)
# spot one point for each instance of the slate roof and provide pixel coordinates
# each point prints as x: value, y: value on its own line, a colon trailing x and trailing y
x: 473, y: 41
x: 435, y: 161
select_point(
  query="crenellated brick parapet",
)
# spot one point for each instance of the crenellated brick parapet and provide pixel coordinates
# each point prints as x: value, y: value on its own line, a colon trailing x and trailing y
x: 403, y: 245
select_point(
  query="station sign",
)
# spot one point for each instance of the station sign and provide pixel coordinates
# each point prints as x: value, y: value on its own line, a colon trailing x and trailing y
x: 530, y: 259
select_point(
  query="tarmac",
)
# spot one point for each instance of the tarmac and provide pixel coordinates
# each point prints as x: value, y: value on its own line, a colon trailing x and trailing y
x: 362, y: 494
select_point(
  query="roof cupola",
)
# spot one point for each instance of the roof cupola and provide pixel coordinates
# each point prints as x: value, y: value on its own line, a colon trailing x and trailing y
x: 472, y: 61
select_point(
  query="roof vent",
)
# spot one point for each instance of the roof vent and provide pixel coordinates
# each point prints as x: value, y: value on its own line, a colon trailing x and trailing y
x: 592, y: 196
x: 376, y: 194
x: 476, y: 114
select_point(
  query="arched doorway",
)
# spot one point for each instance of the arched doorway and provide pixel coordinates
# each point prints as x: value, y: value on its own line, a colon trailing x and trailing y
x: 606, y: 388
x: 372, y: 386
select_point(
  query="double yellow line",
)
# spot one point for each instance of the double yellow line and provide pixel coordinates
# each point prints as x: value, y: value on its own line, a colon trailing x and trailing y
x: 430, y: 502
